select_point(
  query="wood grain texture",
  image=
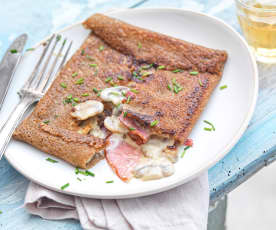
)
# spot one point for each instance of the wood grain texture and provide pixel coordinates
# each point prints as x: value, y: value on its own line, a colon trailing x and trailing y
x: 255, y: 150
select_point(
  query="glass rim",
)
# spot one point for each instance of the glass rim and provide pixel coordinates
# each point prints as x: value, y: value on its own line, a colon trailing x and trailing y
x: 250, y: 7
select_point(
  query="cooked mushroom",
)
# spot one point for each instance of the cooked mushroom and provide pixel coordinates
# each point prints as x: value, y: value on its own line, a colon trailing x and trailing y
x: 87, y: 109
x: 114, y: 94
x: 114, y: 125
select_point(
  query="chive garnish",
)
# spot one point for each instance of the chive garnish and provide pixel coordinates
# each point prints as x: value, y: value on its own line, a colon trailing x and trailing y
x: 58, y: 37
x: 145, y: 74
x: 153, y: 123
x: 120, y: 77
x: 209, y: 123
x: 108, y: 79
x: 30, y: 49
x: 79, y: 81
x: 46, y: 122
x: 207, y: 129
x: 74, y: 74
x: 95, y: 90
x: 78, y: 179
x: 109, y: 181
x: 177, y: 70
x: 85, y: 173
x: 74, y: 104
x: 194, y: 73
x: 169, y: 87
x: 75, y: 99
x: 161, y: 67
x: 176, y: 88
x: 64, y: 42
x: 128, y: 99
x: 139, y: 45
x: 98, y: 94
x: 89, y: 58
x: 13, y: 51
x: 65, y: 186
x: 63, y: 85
x: 223, y: 87
x: 69, y: 96
x: 93, y: 65
x: 101, y: 48
x: 200, y: 82
x: 184, y: 151
x: 51, y: 160
x: 82, y: 52
x: 115, y: 93
x: 125, y: 114
x: 132, y: 129
x: 88, y: 173
x: 134, y: 90
x: 1, y: 212
x: 85, y: 94
x: 145, y: 67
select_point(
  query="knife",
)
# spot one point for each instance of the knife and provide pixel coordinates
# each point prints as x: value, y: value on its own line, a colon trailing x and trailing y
x: 9, y: 63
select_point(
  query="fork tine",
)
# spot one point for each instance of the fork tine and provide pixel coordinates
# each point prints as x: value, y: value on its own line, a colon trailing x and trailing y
x: 45, y: 80
x: 65, y: 56
x: 43, y: 71
x: 33, y: 74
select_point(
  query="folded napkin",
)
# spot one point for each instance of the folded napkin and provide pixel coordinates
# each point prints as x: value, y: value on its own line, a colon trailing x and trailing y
x: 184, y: 207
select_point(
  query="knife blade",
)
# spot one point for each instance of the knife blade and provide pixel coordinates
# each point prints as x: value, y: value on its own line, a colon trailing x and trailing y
x: 9, y: 63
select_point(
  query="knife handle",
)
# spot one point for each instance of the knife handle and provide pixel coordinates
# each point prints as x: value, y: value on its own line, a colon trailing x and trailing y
x: 10, y: 125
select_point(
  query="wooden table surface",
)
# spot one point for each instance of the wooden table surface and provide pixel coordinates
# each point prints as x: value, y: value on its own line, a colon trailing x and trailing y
x: 39, y: 18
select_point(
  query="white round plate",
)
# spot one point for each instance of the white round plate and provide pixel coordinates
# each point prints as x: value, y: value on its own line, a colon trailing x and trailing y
x: 229, y: 110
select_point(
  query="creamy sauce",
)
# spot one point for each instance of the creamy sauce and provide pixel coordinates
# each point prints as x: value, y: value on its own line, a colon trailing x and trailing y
x: 90, y: 126
x: 114, y: 94
x: 90, y: 108
x: 114, y: 125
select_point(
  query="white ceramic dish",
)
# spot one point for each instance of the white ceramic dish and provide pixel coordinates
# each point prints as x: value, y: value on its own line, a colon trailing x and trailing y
x: 230, y: 110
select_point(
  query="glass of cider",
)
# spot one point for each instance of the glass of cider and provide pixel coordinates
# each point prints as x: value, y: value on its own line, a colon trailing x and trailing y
x: 258, y: 23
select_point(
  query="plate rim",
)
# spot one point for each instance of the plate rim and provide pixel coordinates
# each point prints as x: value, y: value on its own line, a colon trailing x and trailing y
x: 199, y: 170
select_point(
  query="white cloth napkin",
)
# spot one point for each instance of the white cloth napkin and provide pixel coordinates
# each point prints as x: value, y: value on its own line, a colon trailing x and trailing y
x: 182, y: 208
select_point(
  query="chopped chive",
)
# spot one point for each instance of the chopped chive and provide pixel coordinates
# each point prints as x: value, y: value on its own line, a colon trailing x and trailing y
x: 88, y: 173
x: 79, y: 81
x: 139, y: 45
x: 74, y: 74
x: 169, y: 87
x: 174, y: 81
x: 69, y: 96
x: 46, y: 122
x: 51, y: 160
x: 177, y: 70
x: 93, y: 65
x: 154, y: 123
x: 63, y: 85
x: 132, y: 129
x: 134, y: 90
x: 95, y: 90
x: 64, y: 42
x: 1, y: 212
x: 78, y: 179
x: 13, y: 51
x: 179, y: 89
x: 65, y: 186
x: 184, y: 151
x: 101, y: 48
x: 128, y: 99
x: 75, y: 99
x: 30, y: 49
x: 89, y: 58
x: 77, y: 170
x: 98, y: 94
x: 85, y: 94
x: 193, y: 73
x: 124, y: 93
x: 82, y: 52
x: 200, y: 82
x: 125, y: 114
x: 120, y: 77
x: 207, y: 129
x: 145, y: 67
x: 74, y: 104
x: 115, y: 93
x: 209, y: 123
x: 145, y: 74
x: 58, y: 37
x: 223, y: 87
x: 108, y: 79
x: 109, y: 181
x: 161, y: 67
x: 175, y: 89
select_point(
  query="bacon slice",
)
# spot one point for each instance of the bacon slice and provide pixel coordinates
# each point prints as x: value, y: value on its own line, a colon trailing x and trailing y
x: 121, y: 156
x: 137, y: 133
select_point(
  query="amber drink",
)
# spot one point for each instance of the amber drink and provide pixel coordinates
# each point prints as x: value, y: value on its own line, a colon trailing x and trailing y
x: 258, y: 24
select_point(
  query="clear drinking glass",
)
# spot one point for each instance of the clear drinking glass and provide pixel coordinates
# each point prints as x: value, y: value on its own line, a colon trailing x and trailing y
x: 258, y: 22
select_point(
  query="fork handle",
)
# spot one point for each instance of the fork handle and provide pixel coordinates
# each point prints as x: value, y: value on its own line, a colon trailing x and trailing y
x: 10, y: 125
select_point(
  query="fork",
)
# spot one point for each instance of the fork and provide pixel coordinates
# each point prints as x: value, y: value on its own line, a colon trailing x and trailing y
x: 34, y: 88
